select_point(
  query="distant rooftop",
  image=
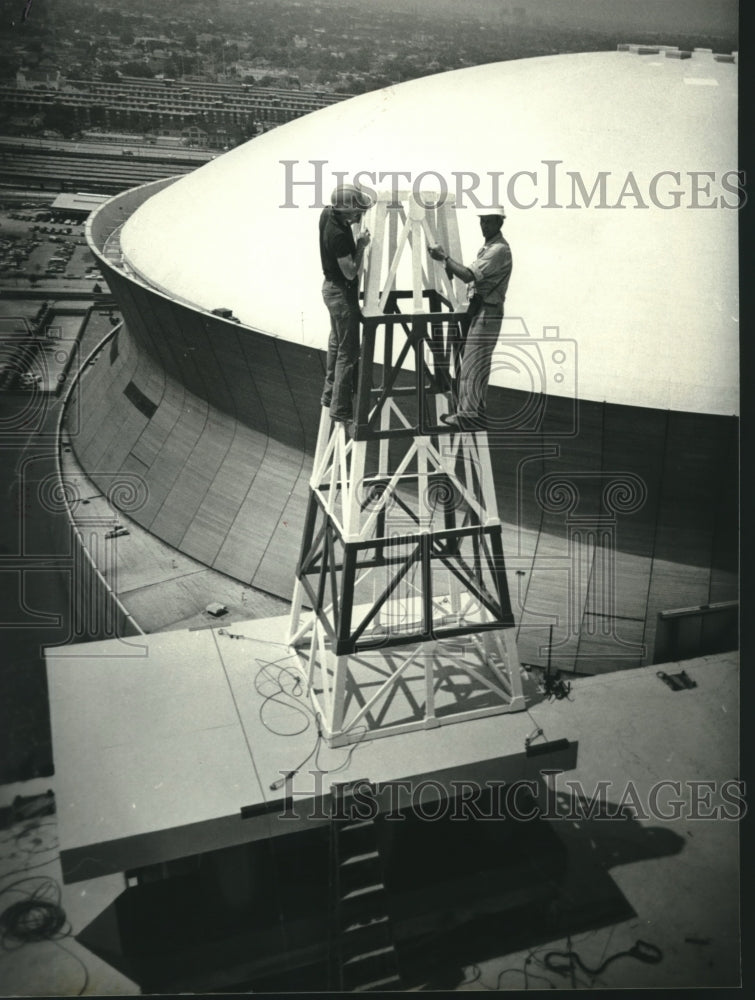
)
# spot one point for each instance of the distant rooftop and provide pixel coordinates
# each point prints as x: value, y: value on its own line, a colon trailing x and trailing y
x: 80, y: 202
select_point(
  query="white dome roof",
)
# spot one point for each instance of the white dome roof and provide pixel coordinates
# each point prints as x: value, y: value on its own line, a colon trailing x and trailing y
x: 649, y: 294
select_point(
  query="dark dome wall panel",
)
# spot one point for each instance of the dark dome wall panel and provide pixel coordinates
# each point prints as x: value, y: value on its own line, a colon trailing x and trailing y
x: 218, y: 486
x: 634, y: 441
x: 171, y: 397
x: 102, y: 385
x: 185, y: 485
x: 205, y: 532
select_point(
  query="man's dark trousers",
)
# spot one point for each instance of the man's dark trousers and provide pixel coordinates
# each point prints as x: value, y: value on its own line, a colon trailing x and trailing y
x: 343, y: 349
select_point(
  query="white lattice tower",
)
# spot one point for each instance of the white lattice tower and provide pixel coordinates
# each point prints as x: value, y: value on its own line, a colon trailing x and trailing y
x: 402, y: 227
x: 400, y: 612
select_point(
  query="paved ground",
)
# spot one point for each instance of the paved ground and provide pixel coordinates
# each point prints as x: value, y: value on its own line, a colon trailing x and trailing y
x: 28, y: 246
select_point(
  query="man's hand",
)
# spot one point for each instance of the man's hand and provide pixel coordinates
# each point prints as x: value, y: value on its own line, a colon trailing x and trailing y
x: 363, y: 239
x: 453, y: 268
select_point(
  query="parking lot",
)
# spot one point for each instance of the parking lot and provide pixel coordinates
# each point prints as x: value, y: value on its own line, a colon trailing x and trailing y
x: 43, y: 254
x: 41, y: 248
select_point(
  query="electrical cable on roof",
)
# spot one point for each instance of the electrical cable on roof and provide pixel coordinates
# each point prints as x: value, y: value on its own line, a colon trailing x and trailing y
x: 643, y: 951
x: 265, y: 676
x: 17, y: 839
x: 36, y: 917
x: 273, y: 673
x: 477, y: 977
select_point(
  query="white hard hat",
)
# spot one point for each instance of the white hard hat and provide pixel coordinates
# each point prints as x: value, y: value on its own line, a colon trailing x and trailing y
x: 492, y: 210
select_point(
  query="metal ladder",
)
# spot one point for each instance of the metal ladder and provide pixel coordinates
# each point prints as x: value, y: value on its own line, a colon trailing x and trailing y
x: 362, y: 950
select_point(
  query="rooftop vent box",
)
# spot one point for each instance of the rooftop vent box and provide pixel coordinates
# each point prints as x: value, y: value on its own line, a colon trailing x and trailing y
x: 216, y: 610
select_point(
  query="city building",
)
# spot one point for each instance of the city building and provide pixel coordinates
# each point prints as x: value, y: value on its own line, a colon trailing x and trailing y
x: 143, y: 105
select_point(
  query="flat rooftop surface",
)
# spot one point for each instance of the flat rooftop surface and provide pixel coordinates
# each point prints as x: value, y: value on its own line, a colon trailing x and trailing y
x: 160, y: 740
x: 214, y: 718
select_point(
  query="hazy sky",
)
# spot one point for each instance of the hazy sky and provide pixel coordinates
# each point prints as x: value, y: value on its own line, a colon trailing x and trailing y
x: 653, y: 15
x: 710, y: 16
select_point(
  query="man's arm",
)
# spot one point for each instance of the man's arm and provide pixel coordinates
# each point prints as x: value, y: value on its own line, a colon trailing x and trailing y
x: 453, y: 267
x: 350, y: 265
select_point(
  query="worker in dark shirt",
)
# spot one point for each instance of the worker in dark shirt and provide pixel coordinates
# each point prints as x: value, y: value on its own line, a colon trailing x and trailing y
x: 341, y: 257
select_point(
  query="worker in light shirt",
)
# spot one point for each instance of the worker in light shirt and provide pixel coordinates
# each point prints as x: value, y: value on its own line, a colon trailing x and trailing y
x: 488, y: 275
